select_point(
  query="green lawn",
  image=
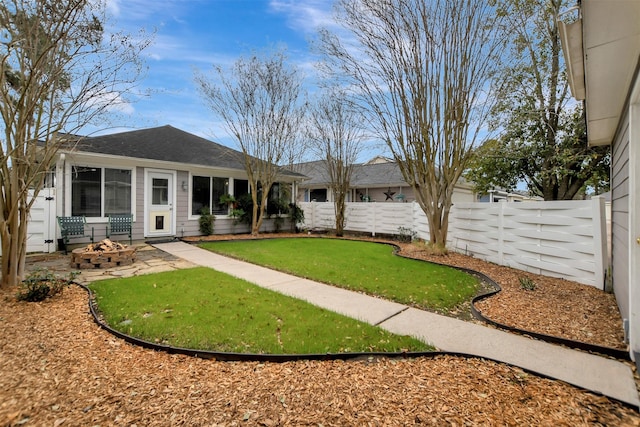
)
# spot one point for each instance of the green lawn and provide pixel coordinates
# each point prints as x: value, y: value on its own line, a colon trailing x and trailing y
x: 361, y: 266
x: 203, y: 309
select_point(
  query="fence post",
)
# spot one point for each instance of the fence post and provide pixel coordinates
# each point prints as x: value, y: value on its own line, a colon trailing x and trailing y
x: 599, y: 240
x: 502, y: 206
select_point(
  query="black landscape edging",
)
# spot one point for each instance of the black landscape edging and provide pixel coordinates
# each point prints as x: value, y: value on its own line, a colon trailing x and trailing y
x: 607, y: 351
x: 243, y: 357
x: 282, y: 358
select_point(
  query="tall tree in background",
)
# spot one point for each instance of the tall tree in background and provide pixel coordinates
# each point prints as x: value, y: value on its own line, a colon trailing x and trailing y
x: 260, y: 103
x: 57, y: 74
x: 544, y: 135
x: 337, y: 136
x: 422, y: 69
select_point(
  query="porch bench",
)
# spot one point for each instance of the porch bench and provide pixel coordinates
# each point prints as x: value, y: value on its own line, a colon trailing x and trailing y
x: 120, y: 224
x: 72, y: 227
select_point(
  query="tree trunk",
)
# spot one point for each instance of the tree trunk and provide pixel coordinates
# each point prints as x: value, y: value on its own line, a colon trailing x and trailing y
x: 255, y: 223
x: 14, y: 244
x: 340, y: 217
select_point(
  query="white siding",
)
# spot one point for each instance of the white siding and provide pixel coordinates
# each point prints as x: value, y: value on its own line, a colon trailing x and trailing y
x: 620, y: 219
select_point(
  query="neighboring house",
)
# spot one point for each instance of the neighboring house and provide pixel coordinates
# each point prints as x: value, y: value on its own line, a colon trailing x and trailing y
x: 163, y: 176
x: 379, y: 180
x: 502, y: 195
x: 602, y: 51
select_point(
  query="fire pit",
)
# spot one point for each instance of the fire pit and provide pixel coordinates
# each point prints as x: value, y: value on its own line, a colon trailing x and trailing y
x: 104, y: 254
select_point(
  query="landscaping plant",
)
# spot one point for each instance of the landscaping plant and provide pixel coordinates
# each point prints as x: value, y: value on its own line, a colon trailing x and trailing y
x: 42, y: 284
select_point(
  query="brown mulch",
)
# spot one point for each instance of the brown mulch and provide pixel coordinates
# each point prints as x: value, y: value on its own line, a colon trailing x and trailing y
x: 58, y: 368
x: 556, y: 307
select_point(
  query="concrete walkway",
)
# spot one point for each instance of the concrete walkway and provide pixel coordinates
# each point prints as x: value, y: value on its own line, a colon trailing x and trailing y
x: 598, y: 374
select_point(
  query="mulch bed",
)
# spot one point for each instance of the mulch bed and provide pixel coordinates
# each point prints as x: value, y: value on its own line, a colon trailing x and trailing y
x: 58, y: 368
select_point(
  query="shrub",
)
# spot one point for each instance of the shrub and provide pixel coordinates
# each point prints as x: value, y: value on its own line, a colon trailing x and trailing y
x: 297, y: 216
x: 527, y: 284
x: 42, y: 284
x: 406, y: 234
x: 206, y: 221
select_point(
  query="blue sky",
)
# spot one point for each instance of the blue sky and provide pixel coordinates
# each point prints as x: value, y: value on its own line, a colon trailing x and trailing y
x: 195, y: 34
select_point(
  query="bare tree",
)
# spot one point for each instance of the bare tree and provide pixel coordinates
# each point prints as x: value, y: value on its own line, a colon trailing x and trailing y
x: 260, y: 103
x: 337, y: 135
x: 422, y: 69
x: 58, y: 73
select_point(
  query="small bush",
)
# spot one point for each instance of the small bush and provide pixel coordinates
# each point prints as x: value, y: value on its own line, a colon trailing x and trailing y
x: 527, y: 284
x: 297, y: 216
x: 406, y: 234
x: 206, y: 221
x: 42, y: 284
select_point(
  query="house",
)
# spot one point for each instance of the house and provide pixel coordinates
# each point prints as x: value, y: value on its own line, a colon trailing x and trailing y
x: 379, y: 180
x: 602, y: 51
x: 498, y: 195
x: 163, y: 176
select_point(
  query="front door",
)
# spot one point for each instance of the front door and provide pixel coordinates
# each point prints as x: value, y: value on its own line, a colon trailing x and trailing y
x: 159, y: 203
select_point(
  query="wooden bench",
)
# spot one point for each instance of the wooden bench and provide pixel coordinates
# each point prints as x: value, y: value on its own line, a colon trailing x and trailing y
x: 120, y: 224
x: 72, y: 227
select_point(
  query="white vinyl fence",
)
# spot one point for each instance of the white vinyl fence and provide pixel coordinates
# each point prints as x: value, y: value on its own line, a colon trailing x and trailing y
x: 564, y: 239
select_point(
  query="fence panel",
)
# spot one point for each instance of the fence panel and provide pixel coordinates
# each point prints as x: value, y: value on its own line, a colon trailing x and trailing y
x: 558, y: 239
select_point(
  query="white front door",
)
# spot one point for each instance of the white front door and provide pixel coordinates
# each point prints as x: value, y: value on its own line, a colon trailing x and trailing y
x: 159, y: 196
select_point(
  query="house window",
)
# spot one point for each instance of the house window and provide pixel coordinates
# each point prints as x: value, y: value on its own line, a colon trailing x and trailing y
x: 206, y: 191
x: 240, y: 188
x: 85, y: 192
x: 200, y: 193
x: 117, y: 191
x: 98, y: 192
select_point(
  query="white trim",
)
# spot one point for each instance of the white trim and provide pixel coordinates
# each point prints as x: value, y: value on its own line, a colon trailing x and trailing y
x: 68, y: 165
x: 173, y: 204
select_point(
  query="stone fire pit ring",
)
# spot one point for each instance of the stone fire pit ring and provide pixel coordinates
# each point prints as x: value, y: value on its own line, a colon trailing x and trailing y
x: 104, y: 254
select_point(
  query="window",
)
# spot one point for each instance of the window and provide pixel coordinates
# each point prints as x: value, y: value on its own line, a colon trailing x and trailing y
x: 206, y: 191
x: 240, y: 188
x: 200, y: 193
x: 117, y: 191
x: 98, y: 192
x: 160, y: 191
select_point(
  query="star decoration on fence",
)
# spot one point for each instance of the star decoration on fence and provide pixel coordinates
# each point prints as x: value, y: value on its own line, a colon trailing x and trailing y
x: 389, y: 194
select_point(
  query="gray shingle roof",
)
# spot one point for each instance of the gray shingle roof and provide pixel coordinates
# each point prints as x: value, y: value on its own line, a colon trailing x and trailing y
x: 364, y: 175
x: 166, y: 143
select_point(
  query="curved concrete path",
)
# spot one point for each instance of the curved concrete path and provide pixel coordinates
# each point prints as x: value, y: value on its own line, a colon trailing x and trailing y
x: 598, y: 374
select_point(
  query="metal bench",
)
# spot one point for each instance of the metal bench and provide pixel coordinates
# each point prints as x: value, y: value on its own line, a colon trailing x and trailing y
x: 72, y: 227
x: 120, y: 224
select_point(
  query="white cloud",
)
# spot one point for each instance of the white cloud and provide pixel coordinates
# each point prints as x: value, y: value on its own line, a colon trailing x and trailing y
x: 305, y: 16
x: 113, y: 7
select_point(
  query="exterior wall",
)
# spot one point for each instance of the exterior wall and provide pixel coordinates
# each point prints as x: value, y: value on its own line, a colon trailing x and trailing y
x: 559, y: 239
x: 376, y: 194
x: 620, y: 219
x: 138, y: 217
x: 634, y: 222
